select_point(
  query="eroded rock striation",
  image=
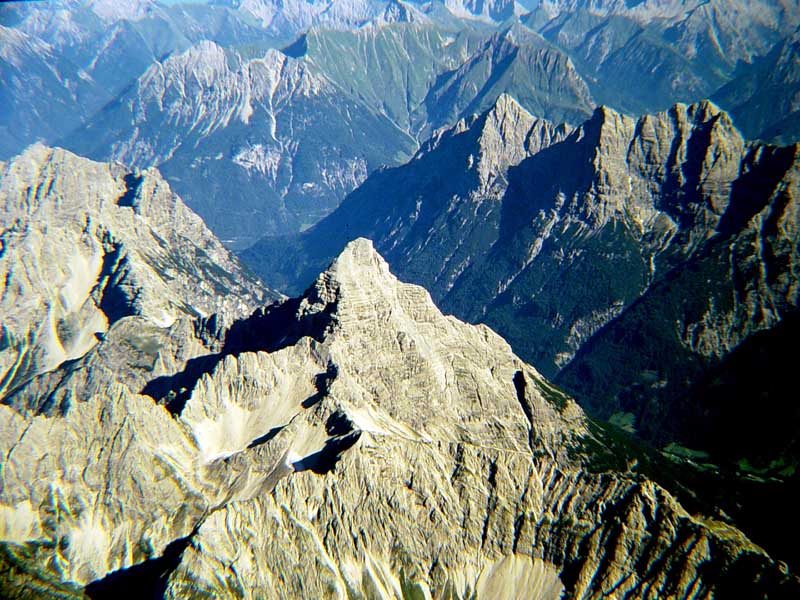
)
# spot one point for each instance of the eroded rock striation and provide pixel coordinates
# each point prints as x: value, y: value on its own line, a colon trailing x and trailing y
x: 350, y: 442
x: 630, y: 259
x: 85, y: 244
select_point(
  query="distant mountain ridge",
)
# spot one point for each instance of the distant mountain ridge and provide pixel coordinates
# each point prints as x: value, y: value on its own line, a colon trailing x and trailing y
x: 680, y: 51
x: 284, y: 132
x: 298, y: 130
x: 416, y: 67
x: 512, y: 239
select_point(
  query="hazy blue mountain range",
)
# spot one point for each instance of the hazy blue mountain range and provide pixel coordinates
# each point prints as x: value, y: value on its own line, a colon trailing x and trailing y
x: 352, y: 440
x: 261, y: 145
x: 61, y: 62
x: 645, y: 56
x: 299, y: 130
x: 77, y: 70
x: 763, y: 99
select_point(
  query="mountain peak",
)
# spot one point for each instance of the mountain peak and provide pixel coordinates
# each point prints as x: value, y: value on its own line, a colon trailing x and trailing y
x: 90, y: 243
x: 397, y: 11
x: 509, y: 134
x: 359, y: 261
x: 358, y: 273
x: 506, y: 104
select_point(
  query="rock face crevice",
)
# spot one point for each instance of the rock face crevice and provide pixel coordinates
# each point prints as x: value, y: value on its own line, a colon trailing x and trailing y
x: 357, y: 441
x: 86, y: 245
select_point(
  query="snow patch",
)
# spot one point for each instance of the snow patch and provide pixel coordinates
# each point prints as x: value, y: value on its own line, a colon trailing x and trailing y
x: 261, y: 159
x: 88, y: 546
x: 19, y: 523
x: 224, y: 436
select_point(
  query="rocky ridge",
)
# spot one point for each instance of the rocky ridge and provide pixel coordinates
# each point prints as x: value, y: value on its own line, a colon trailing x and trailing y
x: 644, y: 192
x: 316, y: 437
x: 740, y: 280
x: 631, y: 259
x: 679, y: 51
x: 451, y: 187
x: 299, y: 129
x: 492, y: 11
x: 86, y: 244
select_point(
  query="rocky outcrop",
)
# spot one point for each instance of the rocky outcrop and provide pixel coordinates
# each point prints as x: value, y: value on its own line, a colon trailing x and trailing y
x: 629, y: 259
x: 491, y: 11
x: 397, y: 11
x: 353, y: 441
x: 84, y: 244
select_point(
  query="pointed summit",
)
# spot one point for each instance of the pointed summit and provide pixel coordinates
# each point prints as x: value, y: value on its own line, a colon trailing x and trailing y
x: 359, y: 257
x: 509, y: 134
x: 358, y: 288
x: 317, y: 451
x: 397, y: 11
x: 358, y: 270
x: 505, y: 104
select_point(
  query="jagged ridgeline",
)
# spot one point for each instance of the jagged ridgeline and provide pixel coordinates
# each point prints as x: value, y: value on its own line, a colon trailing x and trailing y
x: 351, y: 442
x: 630, y: 259
x: 264, y: 114
x: 269, y: 142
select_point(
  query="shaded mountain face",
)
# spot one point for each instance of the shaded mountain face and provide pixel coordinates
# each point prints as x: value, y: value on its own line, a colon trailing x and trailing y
x: 763, y: 99
x: 87, y: 244
x: 741, y: 280
x: 629, y: 258
x: 430, y: 216
x: 28, y: 109
x: 428, y: 77
x: 504, y: 218
x: 351, y: 441
x: 513, y: 62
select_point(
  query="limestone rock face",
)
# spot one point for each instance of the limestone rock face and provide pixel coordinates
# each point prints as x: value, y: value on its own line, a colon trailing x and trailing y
x: 629, y: 259
x: 505, y: 225
x: 489, y: 11
x: 85, y: 244
x: 352, y: 442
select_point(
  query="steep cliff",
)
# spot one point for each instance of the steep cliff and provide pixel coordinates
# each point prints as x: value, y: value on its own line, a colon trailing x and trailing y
x: 350, y: 442
x: 85, y: 244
